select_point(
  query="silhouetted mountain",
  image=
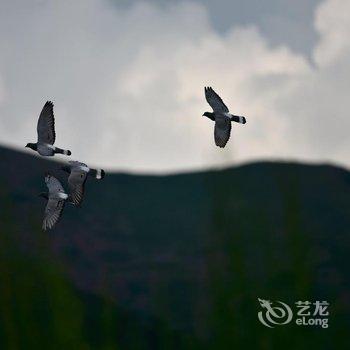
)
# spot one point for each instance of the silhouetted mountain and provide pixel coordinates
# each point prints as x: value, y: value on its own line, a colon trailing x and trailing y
x: 174, y: 262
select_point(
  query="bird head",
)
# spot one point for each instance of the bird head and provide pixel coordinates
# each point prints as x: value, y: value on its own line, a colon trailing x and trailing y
x: 209, y: 115
x: 32, y: 146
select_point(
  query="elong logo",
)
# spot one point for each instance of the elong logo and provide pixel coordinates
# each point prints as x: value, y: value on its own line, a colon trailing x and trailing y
x: 278, y: 313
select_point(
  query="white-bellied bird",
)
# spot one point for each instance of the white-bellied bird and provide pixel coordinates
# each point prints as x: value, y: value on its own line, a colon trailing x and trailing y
x: 46, y: 134
x: 78, y: 173
x: 221, y: 116
x: 56, y: 199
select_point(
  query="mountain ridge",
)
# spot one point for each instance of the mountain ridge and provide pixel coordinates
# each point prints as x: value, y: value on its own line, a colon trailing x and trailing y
x: 192, y: 251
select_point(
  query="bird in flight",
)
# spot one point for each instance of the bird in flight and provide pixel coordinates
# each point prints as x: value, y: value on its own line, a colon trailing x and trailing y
x: 221, y: 116
x: 78, y: 173
x: 56, y: 199
x: 46, y: 134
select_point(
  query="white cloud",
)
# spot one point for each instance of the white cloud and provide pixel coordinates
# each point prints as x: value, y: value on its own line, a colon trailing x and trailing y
x: 128, y: 85
x: 333, y: 24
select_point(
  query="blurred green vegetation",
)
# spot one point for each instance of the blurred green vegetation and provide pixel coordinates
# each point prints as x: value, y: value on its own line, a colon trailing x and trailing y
x: 174, y: 262
x: 40, y: 309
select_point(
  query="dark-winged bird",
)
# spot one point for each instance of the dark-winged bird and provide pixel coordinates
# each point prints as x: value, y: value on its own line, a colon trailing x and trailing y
x: 46, y: 134
x: 78, y: 173
x: 221, y: 116
x: 56, y: 199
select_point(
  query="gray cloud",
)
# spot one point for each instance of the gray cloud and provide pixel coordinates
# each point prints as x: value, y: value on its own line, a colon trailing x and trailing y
x: 128, y: 84
x: 281, y: 21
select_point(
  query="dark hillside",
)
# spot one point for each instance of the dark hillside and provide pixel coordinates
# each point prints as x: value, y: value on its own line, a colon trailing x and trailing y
x: 174, y: 262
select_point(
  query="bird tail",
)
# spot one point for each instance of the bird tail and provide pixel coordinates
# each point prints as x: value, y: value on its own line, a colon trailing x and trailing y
x: 66, y: 152
x: 238, y: 119
x: 99, y: 174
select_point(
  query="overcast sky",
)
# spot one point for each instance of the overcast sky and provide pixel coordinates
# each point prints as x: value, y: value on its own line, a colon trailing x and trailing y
x: 127, y: 79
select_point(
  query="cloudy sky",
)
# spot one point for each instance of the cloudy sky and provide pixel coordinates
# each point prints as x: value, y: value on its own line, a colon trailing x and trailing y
x: 127, y: 79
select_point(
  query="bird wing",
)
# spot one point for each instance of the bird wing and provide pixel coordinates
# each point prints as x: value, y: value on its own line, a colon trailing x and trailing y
x: 76, y: 182
x: 46, y: 125
x: 222, y: 131
x: 53, y: 212
x: 215, y: 101
x: 53, y: 184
